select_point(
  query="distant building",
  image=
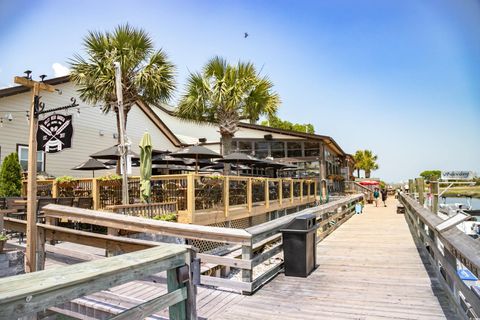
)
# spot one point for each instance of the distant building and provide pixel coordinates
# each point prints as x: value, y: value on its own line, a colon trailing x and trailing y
x: 315, y: 155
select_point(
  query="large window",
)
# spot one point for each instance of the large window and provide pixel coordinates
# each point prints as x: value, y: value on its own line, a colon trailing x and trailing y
x: 312, y: 149
x: 294, y: 149
x: 261, y: 149
x: 245, y: 147
x: 22, y: 151
x: 278, y: 149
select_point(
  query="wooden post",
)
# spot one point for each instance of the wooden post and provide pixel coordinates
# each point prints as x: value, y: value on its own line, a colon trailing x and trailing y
x: 54, y: 189
x: 30, y: 251
x: 267, y: 194
x: 96, y: 193
x: 41, y: 249
x: 280, y: 192
x: 291, y: 191
x: 226, y: 195
x: 420, y: 189
x: 249, y: 195
x: 411, y: 188
x: 247, y: 254
x: 177, y: 311
x: 315, y: 188
x: 434, y: 186
x: 191, y: 196
x: 301, y: 190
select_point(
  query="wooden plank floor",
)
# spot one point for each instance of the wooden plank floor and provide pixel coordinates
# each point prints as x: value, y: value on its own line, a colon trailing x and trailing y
x: 369, y: 268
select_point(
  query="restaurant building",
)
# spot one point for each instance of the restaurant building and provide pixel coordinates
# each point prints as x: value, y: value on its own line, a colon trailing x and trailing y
x: 314, y: 155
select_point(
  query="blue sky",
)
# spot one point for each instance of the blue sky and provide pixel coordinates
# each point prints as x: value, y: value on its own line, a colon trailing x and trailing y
x: 401, y: 78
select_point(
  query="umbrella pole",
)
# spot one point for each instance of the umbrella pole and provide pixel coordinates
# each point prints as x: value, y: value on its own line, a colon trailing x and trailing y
x: 196, y: 163
x: 93, y: 173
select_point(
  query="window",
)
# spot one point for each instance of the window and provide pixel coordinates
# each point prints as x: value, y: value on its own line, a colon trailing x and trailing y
x: 245, y: 147
x: 294, y: 149
x: 312, y: 149
x: 278, y: 149
x: 261, y: 149
x: 22, y: 151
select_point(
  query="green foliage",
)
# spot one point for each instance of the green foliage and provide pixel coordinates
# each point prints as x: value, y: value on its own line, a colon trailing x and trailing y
x: 3, y: 237
x: 65, y: 179
x: 224, y: 94
x: 110, y: 177
x: 147, y: 74
x: 365, y: 160
x: 11, y: 176
x: 276, y: 122
x: 430, y: 175
x: 171, y: 217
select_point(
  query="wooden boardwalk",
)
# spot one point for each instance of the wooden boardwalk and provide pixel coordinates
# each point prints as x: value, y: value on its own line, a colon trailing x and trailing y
x: 369, y: 268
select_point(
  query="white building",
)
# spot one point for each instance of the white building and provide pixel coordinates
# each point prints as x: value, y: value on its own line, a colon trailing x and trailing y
x: 93, y: 131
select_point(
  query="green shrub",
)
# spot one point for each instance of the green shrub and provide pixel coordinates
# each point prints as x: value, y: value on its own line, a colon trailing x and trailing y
x: 11, y: 176
x: 3, y: 237
x: 172, y: 217
x: 65, y: 179
x: 110, y: 177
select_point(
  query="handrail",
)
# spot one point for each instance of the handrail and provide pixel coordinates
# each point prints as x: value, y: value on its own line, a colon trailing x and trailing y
x: 445, y: 249
x: 30, y: 293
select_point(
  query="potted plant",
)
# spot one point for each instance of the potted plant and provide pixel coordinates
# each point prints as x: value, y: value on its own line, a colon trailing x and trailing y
x: 3, y: 240
x: 111, y: 180
x: 66, y: 182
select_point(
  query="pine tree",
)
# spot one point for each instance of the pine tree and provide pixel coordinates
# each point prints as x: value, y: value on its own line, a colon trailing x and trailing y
x: 11, y: 176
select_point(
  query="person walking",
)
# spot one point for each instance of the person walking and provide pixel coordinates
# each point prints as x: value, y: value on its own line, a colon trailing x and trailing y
x: 376, y: 195
x: 384, y: 196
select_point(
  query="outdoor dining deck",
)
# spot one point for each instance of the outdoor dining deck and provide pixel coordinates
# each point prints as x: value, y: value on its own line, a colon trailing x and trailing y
x: 201, y: 198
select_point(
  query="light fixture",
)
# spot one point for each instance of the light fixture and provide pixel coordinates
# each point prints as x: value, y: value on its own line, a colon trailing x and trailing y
x: 9, y: 117
x: 101, y: 133
x: 78, y: 112
x: 1, y: 122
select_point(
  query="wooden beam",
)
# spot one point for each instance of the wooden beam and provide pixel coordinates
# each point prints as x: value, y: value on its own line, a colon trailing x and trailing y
x: 31, y: 83
x: 32, y: 292
x: 178, y: 310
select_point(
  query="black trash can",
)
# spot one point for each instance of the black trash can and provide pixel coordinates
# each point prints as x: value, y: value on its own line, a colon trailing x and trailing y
x: 299, y: 246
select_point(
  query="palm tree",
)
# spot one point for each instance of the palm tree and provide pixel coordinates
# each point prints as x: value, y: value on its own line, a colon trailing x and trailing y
x: 226, y: 94
x: 369, y: 162
x: 147, y: 74
x: 358, y: 157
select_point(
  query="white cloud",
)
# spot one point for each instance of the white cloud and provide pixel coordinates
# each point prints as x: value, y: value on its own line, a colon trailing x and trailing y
x: 60, y: 70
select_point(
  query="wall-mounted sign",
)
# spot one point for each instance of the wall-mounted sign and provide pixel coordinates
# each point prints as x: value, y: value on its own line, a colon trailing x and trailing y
x: 457, y: 175
x: 55, y: 133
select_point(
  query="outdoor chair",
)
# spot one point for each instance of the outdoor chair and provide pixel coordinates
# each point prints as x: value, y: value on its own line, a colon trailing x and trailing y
x: 42, y: 202
x: 65, y: 201
x: 85, y: 203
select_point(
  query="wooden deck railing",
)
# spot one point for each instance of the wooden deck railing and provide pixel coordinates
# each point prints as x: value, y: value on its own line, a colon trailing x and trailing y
x: 201, y: 198
x: 247, y: 247
x: 447, y: 249
x: 28, y: 294
x: 146, y: 210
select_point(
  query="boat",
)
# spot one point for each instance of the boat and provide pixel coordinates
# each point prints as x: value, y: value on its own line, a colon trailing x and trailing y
x: 471, y: 226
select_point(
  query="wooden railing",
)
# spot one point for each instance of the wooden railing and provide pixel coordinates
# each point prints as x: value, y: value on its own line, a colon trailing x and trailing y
x: 201, y: 198
x: 28, y: 294
x: 447, y: 249
x: 146, y: 210
x: 243, y: 249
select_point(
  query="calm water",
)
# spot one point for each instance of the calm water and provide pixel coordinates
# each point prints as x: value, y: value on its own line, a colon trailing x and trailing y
x: 475, y: 202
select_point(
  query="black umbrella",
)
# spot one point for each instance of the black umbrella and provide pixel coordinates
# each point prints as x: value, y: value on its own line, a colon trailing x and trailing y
x: 172, y: 167
x: 111, y: 153
x: 196, y: 152
x: 240, y: 158
x: 167, y: 159
x: 91, y: 164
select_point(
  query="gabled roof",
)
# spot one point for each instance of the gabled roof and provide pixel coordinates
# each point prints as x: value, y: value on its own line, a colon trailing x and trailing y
x: 143, y: 106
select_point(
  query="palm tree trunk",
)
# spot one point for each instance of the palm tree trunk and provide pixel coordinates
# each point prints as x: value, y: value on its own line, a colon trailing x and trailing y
x: 367, y: 173
x: 226, y: 150
x: 358, y: 173
x: 117, y: 116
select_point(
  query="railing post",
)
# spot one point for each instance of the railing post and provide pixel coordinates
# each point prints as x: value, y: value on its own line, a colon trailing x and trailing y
x: 267, y: 194
x: 280, y: 192
x: 291, y: 191
x: 54, y: 189
x: 301, y: 190
x: 434, y: 186
x: 411, y: 188
x: 247, y: 254
x: 96, y: 194
x: 177, y: 311
x: 226, y: 195
x: 40, y: 249
x: 249, y: 195
x: 315, y: 188
x: 191, y: 197
x: 420, y: 190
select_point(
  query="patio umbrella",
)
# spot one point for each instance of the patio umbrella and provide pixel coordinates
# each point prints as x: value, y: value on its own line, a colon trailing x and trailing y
x: 111, y: 153
x: 196, y: 152
x: 239, y: 158
x: 369, y: 183
x: 175, y: 167
x: 145, y: 166
x: 91, y: 164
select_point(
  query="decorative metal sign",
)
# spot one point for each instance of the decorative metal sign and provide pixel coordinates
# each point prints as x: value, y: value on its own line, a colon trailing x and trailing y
x: 55, y: 133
